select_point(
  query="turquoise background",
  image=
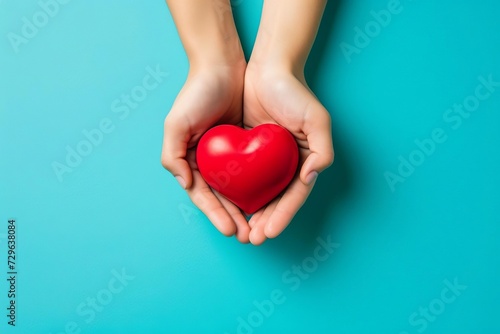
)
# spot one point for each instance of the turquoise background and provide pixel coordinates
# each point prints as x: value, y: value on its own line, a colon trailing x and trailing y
x: 119, y: 210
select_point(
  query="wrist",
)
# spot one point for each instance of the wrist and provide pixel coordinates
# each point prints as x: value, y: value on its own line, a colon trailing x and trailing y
x: 269, y: 59
x: 224, y: 82
x: 227, y: 70
x: 215, y: 51
x: 271, y: 56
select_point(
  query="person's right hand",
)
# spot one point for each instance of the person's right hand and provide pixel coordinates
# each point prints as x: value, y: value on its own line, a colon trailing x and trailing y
x: 211, y: 95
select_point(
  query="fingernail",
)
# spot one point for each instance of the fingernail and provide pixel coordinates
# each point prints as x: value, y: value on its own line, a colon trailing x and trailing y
x: 311, y: 177
x: 181, y: 181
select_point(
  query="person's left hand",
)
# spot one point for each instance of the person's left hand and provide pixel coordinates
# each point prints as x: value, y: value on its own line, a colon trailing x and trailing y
x: 274, y: 95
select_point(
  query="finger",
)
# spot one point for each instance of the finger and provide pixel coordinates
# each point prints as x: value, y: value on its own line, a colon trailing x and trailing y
x: 203, y: 197
x: 262, y: 213
x: 317, y: 128
x: 255, y: 217
x: 242, y: 228
x: 257, y: 235
x: 173, y: 156
x: 292, y: 200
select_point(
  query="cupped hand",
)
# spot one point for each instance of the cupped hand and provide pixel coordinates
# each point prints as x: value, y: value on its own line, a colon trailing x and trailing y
x: 210, y: 96
x: 277, y: 95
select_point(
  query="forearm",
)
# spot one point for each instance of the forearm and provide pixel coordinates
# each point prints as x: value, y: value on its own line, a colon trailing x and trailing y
x: 287, y: 32
x: 207, y: 31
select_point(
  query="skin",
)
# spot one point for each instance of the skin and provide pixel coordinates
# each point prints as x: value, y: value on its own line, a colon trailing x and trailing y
x: 222, y: 88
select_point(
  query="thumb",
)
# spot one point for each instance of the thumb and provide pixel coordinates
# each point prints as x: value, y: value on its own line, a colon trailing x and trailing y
x: 317, y: 128
x: 174, y: 152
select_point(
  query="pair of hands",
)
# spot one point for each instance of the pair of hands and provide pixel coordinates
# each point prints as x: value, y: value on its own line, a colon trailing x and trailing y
x: 247, y: 95
x: 222, y: 88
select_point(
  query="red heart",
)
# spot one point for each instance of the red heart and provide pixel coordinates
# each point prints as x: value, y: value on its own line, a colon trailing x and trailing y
x: 248, y: 167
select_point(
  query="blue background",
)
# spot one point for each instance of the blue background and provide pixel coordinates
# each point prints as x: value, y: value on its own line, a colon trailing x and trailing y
x: 119, y: 210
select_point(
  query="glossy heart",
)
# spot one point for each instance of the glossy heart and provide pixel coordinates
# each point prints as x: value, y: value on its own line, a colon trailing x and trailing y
x: 248, y: 167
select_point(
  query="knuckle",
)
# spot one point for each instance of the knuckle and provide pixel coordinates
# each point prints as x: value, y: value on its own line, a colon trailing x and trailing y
x: 329, y: 158
x: 166, y: 162
x: 327, y: 116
